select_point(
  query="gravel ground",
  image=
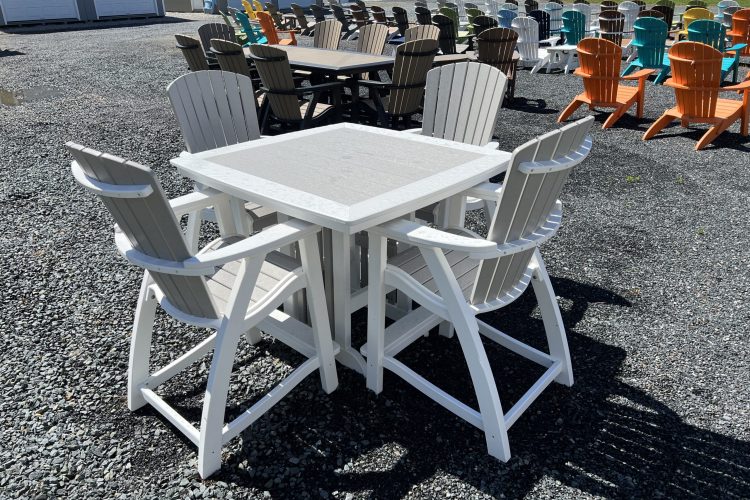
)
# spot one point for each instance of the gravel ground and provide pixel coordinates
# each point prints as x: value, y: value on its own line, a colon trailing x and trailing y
x: 650, y: 266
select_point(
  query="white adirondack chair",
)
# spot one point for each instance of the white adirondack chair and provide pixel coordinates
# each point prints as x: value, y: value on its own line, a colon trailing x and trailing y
x: 456, y: 275
x: 528, y: 41
x: 584, y: 9
x: 630, y: 10
x: 722, y: 7
x: 234, y: 286
x: 216, y: 109
x: 555, y: 11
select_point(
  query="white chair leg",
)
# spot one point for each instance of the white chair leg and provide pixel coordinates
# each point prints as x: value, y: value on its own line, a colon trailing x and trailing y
x: 253, y: 336
x: 321, y: 326
x: 553, y: 324
x: 193, y: 231
x: 140, y: 344
x: 376, y: 312
x: 493, y: 421
x: 542, y: 63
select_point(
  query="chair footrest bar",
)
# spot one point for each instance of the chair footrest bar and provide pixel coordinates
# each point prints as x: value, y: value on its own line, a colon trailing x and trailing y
x: 433, y: 392
x: 514, y: 345
x: 291, y: 332
x: 170, y: 414
x: 522, y: 404
x: 405, y: 331
x: 233, y: 428
x: 175, y: 367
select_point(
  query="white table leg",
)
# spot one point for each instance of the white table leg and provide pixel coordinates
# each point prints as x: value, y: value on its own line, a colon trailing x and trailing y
x: 342, y: 318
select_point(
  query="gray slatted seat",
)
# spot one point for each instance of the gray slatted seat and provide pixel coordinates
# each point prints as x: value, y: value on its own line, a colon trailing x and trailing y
x: 193, y: 53
x: 284, y: 98
x: 216, y: 109
x: 234, y: 287
x: 327, y: 34
x: 496, y: 47
x: 474, y: 275
x: 403, y: 96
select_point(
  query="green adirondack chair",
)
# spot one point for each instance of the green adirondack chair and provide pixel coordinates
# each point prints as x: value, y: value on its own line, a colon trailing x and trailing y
x: 714, y: 33
x: 471, y: 13
x: 252, y: 35
x: 650, y: 40
x: 574, y: 27
x: 461, y: 36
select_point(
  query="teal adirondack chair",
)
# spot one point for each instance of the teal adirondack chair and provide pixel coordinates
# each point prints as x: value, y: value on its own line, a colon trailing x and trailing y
x: 650, y: 40
x: 253, y: 35
x: 574, y: 27
x: 714, y: 33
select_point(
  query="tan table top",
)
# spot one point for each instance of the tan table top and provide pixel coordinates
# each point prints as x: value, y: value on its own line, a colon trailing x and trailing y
x: 333, y: 62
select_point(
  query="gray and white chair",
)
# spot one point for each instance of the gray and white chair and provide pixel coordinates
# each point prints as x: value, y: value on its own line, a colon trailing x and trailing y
x: 233, y: 286
x: 456, y: 275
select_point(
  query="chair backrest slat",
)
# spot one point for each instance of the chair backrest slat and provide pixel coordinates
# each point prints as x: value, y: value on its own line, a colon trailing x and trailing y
x: 527, y: 203
x: 696, y: 69
x: 528, y: 37
x: 462, y: 102
x: 600, y: 69
x: 495, y: 47
x: 611, y: 26
x: 413, y: 61
x: 214, y: 109
x: 482, y: 23
x: 276, y: 74
x: 327, y: 35
x: 711, y: 33
x: 209, y: 31
x: 193, y: 53
x: 149, y: 224
x: 423, y: 31
x: 372, y: 39
x: 650, y: 38
x: 230, y: 56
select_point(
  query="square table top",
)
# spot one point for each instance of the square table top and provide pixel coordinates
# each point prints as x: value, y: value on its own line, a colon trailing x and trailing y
x: 345, y: 177
x: 339, y: 62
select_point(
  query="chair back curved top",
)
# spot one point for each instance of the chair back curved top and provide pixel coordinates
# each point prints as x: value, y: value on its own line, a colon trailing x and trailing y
x: 505, y: 17
x: 667, y: 12
x: 214, y: 109
x: 693, y: 15
x: 193, y: 52
x: 630, y: 10
x: 508, y: 6
x: 530, y: 5
x: 599, y: 69
x: 401, y: 18
x: 722, y: 7
x: 424, y: 15
x: 327, y: 34
x: 495, y: 47
x: 740, y: 31
x: 413, y: 61
x: 711, y: 33
x: 423, y: 31
x: 573, y: 27
x: 696, y: 78
x: 728, y: 15
x: 378, y: 14
x: 585, y: 9
x: 528, y: 38
x: 651, y: 13
x: 276, y: 74
x: 482, y: 23
x: 611, y: 25
x: 230, y: 56
x: 209, y: 31
x: 543, y: 23
x: 372, y: 38
x: 608, y: 5
x: 650, y: 38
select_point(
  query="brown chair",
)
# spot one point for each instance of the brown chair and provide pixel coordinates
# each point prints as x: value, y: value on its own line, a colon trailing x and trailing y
x: 318, y: 12
x: 608, y: 5
x: 667, y: 12
x: 327, y: 35
x: 496, y: 47
x: 284, y: 98
x: 600, y: 62
x: 193, y: 53
x: 651, y: 13
x: 358, y: 16
x: 379, y: 16
x: 696, y: 80
x: 277, y: 17
x: 402, y: 98
x: 611, y: 26
x: 422, y: 32
x: 230, y: 57
x: 482, y: 23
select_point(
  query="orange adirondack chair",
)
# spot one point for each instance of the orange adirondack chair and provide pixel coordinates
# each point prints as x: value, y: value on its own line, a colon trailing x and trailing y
x: 599, y: 61
x: 740, y: 31
x: 696, y: 79
x: 269, y: 29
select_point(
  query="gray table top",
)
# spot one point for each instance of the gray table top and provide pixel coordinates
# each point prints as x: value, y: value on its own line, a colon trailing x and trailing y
x: 345, y: 177
x: 335, y: 62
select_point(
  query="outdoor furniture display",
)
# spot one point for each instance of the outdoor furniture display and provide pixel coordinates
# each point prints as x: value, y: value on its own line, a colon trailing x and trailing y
x: 230, y: 57
x: 252, y: 34
x: 402, y: 97
x: 630, y: 10
x: 303, y: 26
x: 422, y: 32
x: 528, y: 41
x: 692, y: 15
x: 740, y: 31
x: 346, y: 200
x: 650, y: 48
x: 233, y: 286
x: 564, y: 56
x: 714, y: 33
x: 193, y: 52
x: 272, y: 35
x: 496, y: 47
x: 327, y: 35
x: 696, y: 79
x: 611, y: 25
x: 284, y: 97
x: 456, y: 275
x: 209, y: 31
x: 216, y: 109
x: 543, y: 22
x: 600, y: 70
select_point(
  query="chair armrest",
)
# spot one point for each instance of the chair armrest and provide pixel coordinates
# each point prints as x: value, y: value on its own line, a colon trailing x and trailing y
x: 736, y: 47
x: 492, y: 145
x: 305, y: 90
x: 486, y: 191
x: 415, y: 233
x: 739, y: 87
x: 195, y: 201
x: 644, y: 73
x: 374, y: 84
x: 258, y: 245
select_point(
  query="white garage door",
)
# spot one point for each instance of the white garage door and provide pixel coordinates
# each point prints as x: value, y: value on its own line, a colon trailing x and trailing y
x: 37, y: 10
x: 124, y: 7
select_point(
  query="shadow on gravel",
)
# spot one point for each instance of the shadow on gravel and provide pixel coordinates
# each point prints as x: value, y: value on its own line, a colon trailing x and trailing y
x: 536, y: 106
x: 98, y: 25
x: 10, y: 53
x: 729, y: 139
x: 601, y: 436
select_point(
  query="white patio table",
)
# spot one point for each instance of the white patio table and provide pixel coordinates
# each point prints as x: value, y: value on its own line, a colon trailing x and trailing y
x: 346, y: 178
